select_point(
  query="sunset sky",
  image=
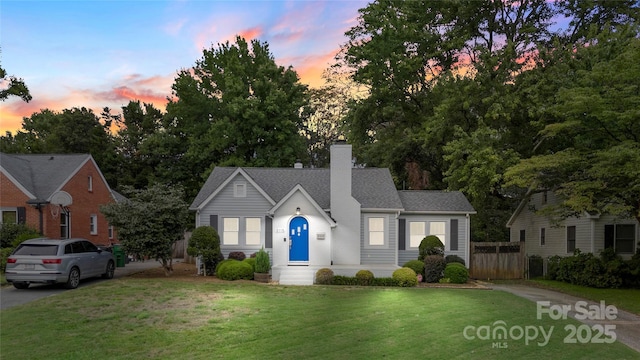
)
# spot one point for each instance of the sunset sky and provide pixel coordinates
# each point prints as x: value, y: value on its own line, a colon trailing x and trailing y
x: 106, y: 53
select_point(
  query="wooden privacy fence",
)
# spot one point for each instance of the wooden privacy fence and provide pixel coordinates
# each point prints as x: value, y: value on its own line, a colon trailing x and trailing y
x: 180, y: 249
x: 497, y: 260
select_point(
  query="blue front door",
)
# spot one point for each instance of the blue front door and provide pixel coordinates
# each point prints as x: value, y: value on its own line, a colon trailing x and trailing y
x: 299, y: 239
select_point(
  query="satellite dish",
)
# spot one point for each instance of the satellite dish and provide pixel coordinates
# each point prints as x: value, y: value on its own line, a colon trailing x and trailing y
x: 61, y: 198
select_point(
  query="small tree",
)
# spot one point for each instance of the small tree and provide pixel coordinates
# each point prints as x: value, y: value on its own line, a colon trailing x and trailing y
x: 430, y: 245
x: 150, y: 221
x: 205, y: 242
x: 263, y: 264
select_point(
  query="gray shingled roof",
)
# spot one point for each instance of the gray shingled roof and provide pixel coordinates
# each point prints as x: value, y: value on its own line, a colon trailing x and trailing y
x: 435, y: 201
x: 41, y: 174
x: 372, y: 188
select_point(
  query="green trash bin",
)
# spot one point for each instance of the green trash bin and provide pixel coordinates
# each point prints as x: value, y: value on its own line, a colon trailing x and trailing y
x: 118, y: 253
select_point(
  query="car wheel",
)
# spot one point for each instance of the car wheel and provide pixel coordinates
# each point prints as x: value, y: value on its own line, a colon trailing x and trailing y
x: 21, y: 285
x: 74, y: 279
x: 111, y: 268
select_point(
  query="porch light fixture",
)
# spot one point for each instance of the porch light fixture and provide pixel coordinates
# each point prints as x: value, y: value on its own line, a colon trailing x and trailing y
x: 298, y: 210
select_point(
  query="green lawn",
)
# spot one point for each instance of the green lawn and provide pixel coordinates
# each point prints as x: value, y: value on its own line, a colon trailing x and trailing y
x: 626, y: 299
x: 171, y: 319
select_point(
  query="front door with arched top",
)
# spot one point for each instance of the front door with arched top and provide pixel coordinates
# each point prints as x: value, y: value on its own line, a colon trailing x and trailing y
x: 298, y: 239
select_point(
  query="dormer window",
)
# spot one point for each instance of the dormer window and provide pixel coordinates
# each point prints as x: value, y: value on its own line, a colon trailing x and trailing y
x: 90, y: 183
x: 240, y: 189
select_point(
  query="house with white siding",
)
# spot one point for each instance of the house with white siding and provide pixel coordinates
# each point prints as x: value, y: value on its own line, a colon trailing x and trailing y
x: 590, y: 232
x: 343, y: 218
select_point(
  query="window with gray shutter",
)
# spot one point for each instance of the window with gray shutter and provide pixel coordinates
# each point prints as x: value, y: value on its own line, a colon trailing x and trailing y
x: 268, y: 232
x: 22, y: 215
x: 402, y: 234
x: 213, y: 221
x: 454, y: 235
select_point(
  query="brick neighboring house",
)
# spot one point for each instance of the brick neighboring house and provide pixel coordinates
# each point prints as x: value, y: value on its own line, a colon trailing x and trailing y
x: 57, y: 194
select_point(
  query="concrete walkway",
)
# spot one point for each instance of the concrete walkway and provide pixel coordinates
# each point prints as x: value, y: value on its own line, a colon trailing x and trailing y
x: 627, y: 325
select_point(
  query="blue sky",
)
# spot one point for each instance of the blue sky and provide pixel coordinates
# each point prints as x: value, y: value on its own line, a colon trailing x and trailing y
x: 106, y: 53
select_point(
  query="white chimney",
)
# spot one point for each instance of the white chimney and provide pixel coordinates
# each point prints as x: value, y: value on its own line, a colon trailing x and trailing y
x: 298, y: 165
x: 345, y: 210
x: 341, y: 165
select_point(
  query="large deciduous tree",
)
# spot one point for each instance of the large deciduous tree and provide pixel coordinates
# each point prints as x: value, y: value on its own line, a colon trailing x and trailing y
x: 150, y: 221
x: 443, y: 93
x: 237, y: 107
x: 139, y: 123
x: 591, y: 152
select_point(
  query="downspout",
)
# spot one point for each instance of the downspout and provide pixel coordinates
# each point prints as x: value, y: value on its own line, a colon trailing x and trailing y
x: 38, y: 205
x: 468, y: 247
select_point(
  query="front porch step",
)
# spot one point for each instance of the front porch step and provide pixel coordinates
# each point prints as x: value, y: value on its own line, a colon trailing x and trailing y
x: 296, y: 275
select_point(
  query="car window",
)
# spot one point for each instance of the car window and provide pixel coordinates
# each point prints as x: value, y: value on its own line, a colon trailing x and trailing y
x: 33, y: 249
x: 77, y: 247
x: 67, y: 249
x: 89, y: 246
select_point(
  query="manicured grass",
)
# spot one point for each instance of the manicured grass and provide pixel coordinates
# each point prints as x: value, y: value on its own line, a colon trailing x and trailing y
x: 170, y: 319
x: 626, y: 299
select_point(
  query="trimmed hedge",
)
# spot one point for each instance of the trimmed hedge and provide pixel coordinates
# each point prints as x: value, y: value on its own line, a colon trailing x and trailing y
x: 324, y: 276
x: 364, y: 277
x: 456, y: 273
x: 234, y: 270
x: 606, y: 271
x: 237, y: 255
x: 415, y: 265
x: 434, y: 266
x: 430, y: 245
x: 405, y: 277
x: 252, y: 262
x: 454, y: 259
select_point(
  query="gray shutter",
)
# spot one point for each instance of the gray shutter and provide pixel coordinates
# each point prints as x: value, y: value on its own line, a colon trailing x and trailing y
x: 608, y: 236
x: 402, y: 234
x: 22, y: 215
x: 454, y: 235
x: 213, y: 221
x: 268, y: 232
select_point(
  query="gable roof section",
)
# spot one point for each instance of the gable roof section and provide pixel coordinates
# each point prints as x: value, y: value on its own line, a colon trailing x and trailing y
x: 435, y: 202
x: 40, y: 175
x: 299, y: 188
x: 372, y: 188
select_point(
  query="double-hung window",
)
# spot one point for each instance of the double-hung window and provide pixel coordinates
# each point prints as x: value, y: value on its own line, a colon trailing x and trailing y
x: 230, y: 231
x: 417, y: 232
x: 93, y: 224
x: 252, y: 231
x: 376, y: 231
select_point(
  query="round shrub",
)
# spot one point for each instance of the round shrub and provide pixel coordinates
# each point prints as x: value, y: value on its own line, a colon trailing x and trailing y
x: 364, y: 277
x: 405, y: 277
x: 454, y: 259
x: 430, y: 245
x: 237, y: 255
x: 457, y: 274
x: 324, y: 276
x: 205, y: 242
x: 433, y: 268
x: 415, y: 265
x: 235, y: 270
x: 252, y: 262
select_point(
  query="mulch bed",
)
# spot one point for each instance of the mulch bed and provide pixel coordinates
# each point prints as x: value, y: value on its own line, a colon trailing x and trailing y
x: 187, y: 272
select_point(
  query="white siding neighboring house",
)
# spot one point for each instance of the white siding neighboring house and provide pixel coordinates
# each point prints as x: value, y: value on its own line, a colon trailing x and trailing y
x: 343, y: 218
x: 589, y: 233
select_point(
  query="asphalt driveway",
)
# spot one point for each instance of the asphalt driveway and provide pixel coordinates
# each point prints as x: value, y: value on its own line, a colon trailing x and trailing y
x: 10, y: 296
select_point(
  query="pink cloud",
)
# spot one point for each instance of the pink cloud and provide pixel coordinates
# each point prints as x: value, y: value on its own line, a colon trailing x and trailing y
x: 154, y: 90
x: 250, y: 34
